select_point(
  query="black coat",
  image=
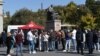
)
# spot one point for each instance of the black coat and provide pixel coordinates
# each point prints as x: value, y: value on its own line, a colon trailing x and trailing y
x: 95, y: 37
x: 79, y: 36
x: 9, y: 41
x: 89, y: 37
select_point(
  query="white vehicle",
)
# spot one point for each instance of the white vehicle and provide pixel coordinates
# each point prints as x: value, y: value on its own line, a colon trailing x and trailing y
x: 13, y: 27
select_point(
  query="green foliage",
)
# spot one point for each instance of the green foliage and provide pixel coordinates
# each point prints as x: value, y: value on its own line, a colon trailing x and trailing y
x: 98, y: 22
x: 40, y: 17
x: 94, y: 6
x: 68, y: 13
x: 89, y: 3
x: 6, y: 19
x: 24, y: 15
x: 60, y: 11
x: 85, y: 16
x: 88, y: 21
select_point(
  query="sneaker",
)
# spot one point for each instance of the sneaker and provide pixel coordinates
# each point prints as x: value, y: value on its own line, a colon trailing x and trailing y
x: 8, y: 55
x: 98, y: 50
x: 34, y: 52
x: 64, y: 50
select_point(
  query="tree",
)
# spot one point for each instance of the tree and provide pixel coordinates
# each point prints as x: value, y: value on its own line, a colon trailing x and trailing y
x: 60, y: 11
x: 88, y: 21
x: 25, y: 15
x: 97, y: 13
x: 90, y: 4
x: 71, y: 13
x: 22, y: 16
x: 41, y: 17
x: 94, y: 6
x: 6, y: 19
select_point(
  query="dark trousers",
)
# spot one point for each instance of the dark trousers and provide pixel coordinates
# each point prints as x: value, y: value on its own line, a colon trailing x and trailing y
x: 8, y: 49
x: 79, y: 47
x: 90, y: 47
x: 56, y: 45
x: 37, y: 44
x: 45, y: 45
x: 63, y: 43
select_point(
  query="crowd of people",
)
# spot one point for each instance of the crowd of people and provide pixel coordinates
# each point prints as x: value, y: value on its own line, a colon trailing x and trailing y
x: 74, y: 40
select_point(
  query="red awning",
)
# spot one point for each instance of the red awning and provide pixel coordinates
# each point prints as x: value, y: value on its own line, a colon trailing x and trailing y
x: 32, y: 25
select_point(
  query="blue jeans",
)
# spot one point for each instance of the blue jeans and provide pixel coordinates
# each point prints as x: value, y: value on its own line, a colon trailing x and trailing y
x: 19, y: 49
x: 96, y: 46
x: 45, y: 45
x: 52, y: 45
x: 31, y: 46
x: 74, y: 43
x: 68, y: 44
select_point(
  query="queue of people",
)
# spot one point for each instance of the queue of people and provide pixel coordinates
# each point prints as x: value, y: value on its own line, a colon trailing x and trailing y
x: 75, y: 40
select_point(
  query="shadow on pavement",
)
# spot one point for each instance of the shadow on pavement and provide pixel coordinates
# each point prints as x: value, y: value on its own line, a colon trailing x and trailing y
x: 66, y: 52
x: 85, y: 54
x: 25, y: 51
x: 2, y: 51
x: 2, y: 54
x: 91, y: 54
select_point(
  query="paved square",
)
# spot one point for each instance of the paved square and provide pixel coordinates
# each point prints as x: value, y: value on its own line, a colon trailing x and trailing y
x: 50, y: 53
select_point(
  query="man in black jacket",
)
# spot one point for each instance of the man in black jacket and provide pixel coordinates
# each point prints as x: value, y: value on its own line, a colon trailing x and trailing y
x: 89, y: 41
x: 79, y: 40
x: 95, y: 40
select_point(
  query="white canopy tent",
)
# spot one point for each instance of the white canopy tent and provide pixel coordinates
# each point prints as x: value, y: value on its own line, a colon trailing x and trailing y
x: 67, y: 25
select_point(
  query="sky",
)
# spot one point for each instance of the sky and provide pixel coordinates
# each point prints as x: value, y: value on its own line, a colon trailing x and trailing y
x: 13, y: 5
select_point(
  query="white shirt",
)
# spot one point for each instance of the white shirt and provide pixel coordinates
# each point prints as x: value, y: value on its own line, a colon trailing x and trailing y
x: 74, y: 34
x: 30, y: 36
x: 46, y: 37
x: 84, y: 37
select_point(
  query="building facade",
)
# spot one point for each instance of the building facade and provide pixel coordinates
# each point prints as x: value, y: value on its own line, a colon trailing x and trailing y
x: 1, y: 16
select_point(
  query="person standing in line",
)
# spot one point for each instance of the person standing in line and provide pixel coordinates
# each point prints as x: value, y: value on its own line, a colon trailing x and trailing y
x: 51, y: 41
x: 19, y: 43
x: 3, y: 37
x: 80, y: 41
x: 84, y: 38
x: 74, y: 39
x: 58, y: 39
x: 89, y: 41
x: 41, y: 40
x: 63, y: 39
x: 98, y: 40
x: 9, y: 43
x: 45, y: 41
x: 31, y: 42
x: 68, y: 41
x: 36, y: 39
